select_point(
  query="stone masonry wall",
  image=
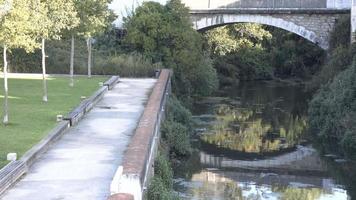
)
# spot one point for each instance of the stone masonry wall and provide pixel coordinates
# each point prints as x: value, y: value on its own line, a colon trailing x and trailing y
x: 314, y: 27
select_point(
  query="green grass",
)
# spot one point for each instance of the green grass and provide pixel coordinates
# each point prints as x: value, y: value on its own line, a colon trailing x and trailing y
x: 30, y: 118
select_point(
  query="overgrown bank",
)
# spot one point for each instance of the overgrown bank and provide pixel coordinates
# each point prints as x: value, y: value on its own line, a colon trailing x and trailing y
x: 332, y: 111
x: 176, y: 131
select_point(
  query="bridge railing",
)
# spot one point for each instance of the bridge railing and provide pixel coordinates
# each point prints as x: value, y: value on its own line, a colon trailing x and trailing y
x: 132, y: 178
x: 268, y: 4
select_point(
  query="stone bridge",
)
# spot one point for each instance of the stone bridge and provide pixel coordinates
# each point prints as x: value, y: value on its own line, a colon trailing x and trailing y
x: 311, y: 19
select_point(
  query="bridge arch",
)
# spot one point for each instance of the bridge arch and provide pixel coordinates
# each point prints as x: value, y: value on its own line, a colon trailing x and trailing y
x: 209, y: 22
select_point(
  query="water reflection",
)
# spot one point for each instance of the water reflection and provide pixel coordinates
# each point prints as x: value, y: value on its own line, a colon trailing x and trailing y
x: 218, y: 185
x: 252, y: 144
x: 258, y: 124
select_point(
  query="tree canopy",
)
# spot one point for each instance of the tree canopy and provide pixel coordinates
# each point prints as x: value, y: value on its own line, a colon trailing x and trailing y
x: 165, y: 34
x: 94, y: 17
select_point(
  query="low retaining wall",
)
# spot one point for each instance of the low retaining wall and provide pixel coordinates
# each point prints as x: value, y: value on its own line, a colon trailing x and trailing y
x: 85, y: 106
x: 131, y: 179
x: 12, y: 172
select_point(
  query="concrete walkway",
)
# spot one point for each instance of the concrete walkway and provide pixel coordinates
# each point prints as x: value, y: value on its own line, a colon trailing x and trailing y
x: 81, y: 164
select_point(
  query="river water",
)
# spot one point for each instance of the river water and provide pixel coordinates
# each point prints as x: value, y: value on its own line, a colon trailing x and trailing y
x: 252, y: 143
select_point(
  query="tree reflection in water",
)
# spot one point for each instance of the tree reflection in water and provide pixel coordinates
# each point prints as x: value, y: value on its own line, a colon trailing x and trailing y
x: 255, y: 129
x: 231, y: 190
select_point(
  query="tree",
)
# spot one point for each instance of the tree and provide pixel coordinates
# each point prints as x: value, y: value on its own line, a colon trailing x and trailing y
x: 165, y: 34
x: 20, y: 17
x: 332, y: 113
x: 232, y: 38
x: 54, y: 17
x: 94, y: 16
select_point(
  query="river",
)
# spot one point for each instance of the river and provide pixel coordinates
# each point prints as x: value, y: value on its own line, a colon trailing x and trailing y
x: 252, y: 143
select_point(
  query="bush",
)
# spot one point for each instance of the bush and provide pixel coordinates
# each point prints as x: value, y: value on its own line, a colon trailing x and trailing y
x: 178, y: 113
x: 177, y: 137
x: 332, y: 112
x: 104, y: 63
x: 157, y: 190
x: 126, y: 65
x: 339, y: 60
x: 161, y: 185
x: 340, y: 54
x: 164, y: 171
x: 340, y: 36
x: 348, y: 143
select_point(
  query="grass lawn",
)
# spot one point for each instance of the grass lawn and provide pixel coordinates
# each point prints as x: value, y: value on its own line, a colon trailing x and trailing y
x: 30, y: 118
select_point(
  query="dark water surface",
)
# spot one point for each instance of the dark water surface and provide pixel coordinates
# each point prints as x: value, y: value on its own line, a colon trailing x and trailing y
x: 252, y: 143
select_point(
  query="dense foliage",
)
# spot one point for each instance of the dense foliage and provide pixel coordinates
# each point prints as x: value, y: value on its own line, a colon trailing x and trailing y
x: 340, y: 54
x: 333, y: 107
x: 161, y: 186
x: 332, y: 113
x: 177, y: 128
x: 253, y: 52
x: 105, y: 62
x: 175, y: 143
x: 164, y: 34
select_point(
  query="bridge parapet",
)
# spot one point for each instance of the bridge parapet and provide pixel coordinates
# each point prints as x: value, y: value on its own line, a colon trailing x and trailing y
x: 132, y: 178
x: 269, y: 4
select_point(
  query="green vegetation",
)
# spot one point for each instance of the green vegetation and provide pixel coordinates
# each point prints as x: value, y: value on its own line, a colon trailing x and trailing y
x: 333, y: 107
x: 253, y: 52
x: 340, y: 55
x: 164, y: 34
x: 104, y: 62
x: 332, y: 113
x: 161, y: 186
x: 30, y: 118
x: 29, y: 23
x: 177, y: 129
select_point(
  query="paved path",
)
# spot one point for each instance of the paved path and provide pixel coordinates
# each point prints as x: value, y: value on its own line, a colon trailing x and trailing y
x: 81, y: 164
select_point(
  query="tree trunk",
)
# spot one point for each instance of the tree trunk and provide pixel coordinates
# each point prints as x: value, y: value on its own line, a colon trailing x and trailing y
x: 72, y: 63
x: 6, y: 90
x: 89, y: 56
x: 45, y: 95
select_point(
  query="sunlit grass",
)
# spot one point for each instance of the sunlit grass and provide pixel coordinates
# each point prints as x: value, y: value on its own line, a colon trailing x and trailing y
x: 30, y: 118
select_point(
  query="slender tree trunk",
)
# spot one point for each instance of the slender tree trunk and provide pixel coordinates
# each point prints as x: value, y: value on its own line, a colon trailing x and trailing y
x: 89, y: 56
x: 45, y: 95
x: 72, y: 62
x: 6, y: 90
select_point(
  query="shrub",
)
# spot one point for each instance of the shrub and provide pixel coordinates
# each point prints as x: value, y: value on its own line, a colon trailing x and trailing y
x: 340, y: 54
x: 177, y: 112
x: 348, y: 143
x: 338, y: 61
x: 126, y: 65
x: 157, y: 190
x: 177, y: 137
x: 164, y: 171
x: 332, y: 111
x: 340, y: 36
